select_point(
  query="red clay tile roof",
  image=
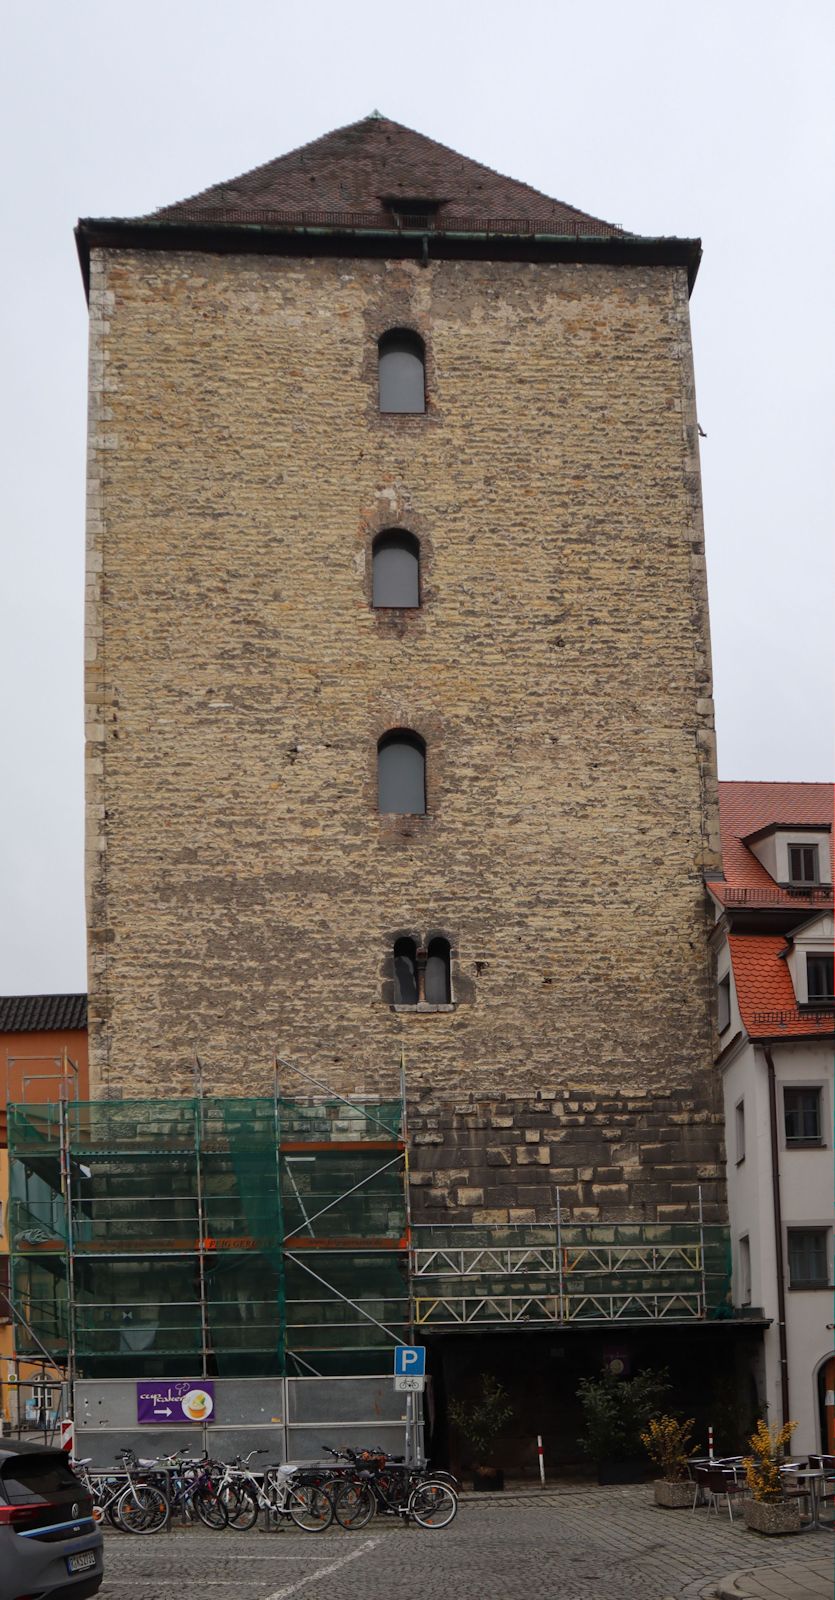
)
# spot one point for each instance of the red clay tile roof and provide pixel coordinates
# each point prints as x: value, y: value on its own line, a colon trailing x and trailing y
x: 765, y: 993
x: 346, y: 177
x: 42, y: 1013
x: 745, y: 808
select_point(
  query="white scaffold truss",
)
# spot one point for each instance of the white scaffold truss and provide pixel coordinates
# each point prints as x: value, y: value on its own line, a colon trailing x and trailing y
x: 584, y: 1273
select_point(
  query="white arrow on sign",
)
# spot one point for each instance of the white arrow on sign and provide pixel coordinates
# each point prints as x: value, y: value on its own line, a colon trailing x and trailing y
x: 162, y: 1413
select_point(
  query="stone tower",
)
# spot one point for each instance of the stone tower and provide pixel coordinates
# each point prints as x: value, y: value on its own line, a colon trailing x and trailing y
x: 469, y: 818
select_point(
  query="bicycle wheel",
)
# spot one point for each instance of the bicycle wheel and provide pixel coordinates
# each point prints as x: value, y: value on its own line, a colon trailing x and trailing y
x: 311, y: 1508
x: 353, y: 1504
x: 143, y: 1509
x: 433, y: 1505
x: 241, y: 1507
x: 210, y: 1508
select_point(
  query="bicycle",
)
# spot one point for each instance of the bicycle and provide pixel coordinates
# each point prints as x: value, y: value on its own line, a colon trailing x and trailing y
x: 130, y: 1504
x: 284, y: 1491
x: 191, y: 1488
x: 389, y: 1487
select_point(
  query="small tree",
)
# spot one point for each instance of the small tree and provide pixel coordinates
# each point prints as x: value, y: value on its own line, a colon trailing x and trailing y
x: 666, y: 1442
x: 762, y: 1467
x: 481, y: 1420
x: 615, y: 1410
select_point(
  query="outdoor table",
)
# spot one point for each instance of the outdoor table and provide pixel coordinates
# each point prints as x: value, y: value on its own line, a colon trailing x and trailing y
x: 813, y: 1476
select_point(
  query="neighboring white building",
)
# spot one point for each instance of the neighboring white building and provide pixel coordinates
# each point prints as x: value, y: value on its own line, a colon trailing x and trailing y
x: 776, y: 1021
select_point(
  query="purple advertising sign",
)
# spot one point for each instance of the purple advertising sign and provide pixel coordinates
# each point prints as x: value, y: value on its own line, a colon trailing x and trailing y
x: 181, y: 1400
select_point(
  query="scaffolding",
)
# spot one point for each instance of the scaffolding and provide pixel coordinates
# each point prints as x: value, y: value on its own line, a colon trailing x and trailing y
x: 220, y: 1237
x: 568, y: 1272
x: 272, y: 1236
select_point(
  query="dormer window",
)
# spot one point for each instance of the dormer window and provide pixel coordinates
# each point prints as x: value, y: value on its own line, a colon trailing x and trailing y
x: 803, y: 863
x: 820, y: 977
x: 411, y: 211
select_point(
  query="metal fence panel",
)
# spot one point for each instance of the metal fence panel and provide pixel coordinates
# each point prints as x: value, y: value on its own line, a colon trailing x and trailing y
x: 317, y: 1400
x: 288, y: 1418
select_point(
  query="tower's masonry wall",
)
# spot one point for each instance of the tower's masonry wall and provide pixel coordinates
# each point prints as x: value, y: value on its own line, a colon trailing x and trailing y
x: 243, y: 892
x: 625, y: 1155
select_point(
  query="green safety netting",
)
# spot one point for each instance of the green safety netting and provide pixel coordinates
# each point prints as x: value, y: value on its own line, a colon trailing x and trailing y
x: 173, y: 1241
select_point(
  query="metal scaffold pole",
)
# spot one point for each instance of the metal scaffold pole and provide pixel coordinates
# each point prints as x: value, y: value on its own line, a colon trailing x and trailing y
x: 65, y: 1165
x: 201, y: 1219
x: 281, y: 1288
x: 407, y: 1203
x: 702, y: 1253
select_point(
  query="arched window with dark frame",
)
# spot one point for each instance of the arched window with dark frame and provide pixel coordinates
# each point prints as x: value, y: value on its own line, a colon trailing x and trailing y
x: 405, y: 973
x: 437, y: 982
x: 402, y: 371
x: 401, y: 773
x: 396, y: 569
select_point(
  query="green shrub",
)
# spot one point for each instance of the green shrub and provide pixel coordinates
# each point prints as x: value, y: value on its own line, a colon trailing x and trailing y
x: 617, y: 1410
x: 483, y: 1419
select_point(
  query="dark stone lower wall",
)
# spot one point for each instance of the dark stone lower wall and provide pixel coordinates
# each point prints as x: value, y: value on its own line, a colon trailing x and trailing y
x: 610, y: 1157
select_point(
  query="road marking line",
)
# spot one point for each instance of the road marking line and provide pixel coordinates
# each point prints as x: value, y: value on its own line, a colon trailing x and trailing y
x: 323, y: 1572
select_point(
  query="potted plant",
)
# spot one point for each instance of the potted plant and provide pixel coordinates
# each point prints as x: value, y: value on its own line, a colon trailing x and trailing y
x: 615, y: 1411
x: 666, y: 1442
x: 768, y: 1511
x: 479, y: 1422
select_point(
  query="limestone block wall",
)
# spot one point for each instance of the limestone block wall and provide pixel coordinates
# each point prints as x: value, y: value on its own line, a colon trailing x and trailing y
x: 613, y: 1156
x: 243, y: 891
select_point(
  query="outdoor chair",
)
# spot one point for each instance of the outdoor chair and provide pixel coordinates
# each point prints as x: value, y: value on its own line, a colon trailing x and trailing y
x: 697, y: 1467
x: 792, y: 1489
x: 826, y: 1492
x: 719, y: 1481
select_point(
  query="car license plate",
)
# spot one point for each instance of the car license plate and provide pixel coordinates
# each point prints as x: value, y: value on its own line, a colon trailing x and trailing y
x: 82, y: 1562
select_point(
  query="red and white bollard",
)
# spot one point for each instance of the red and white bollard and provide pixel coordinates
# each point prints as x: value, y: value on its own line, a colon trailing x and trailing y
x: 68, y: 1436
x: 541, y: 1457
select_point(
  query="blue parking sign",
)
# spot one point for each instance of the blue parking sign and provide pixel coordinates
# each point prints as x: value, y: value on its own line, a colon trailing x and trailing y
x: 410, y: 1361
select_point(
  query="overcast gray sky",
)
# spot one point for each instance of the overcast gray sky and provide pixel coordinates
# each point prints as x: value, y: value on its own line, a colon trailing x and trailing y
x: 712, y: 120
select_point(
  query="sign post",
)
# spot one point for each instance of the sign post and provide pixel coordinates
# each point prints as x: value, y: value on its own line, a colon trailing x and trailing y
x: 410, y: 1379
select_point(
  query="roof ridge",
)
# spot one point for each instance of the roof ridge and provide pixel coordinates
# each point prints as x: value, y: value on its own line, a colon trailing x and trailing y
x: 49, y: 994
x: 783, y: 783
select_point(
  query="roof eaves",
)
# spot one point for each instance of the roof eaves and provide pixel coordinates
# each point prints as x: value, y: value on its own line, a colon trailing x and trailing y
x: 144, y: 233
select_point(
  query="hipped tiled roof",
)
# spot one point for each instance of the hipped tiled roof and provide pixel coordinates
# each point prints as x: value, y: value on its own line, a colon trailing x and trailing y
x: 42, y: 1013
x: 350, y: 176
x: 764, y: 991
x: 744, y: 809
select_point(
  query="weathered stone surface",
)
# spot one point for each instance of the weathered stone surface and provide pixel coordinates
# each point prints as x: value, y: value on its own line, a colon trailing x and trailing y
x: 239, y: 678
x: 524, y: 1175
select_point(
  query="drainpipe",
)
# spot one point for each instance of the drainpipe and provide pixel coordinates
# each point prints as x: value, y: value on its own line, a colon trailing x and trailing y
x: 778, y: 1237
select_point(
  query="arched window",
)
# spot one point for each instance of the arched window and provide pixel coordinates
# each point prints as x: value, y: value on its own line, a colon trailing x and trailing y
x: 401, y: 773
x: 405, y: 973
x: 396, y: 567
x: 402, y: 377
x: 437, y: 981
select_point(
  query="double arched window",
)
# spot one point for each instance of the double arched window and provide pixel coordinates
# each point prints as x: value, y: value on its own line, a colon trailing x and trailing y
x: 401, y: 773
x: 396, y: 569
x: 402, y: 371
x: 422, y: 977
